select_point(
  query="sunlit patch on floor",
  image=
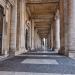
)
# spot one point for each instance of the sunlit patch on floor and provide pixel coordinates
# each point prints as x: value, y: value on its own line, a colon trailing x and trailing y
x: 40, y: 61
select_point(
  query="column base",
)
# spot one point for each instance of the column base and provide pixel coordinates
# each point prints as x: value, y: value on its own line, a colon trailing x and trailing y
x: 61, y: 51
x: 5, y: 53
x: 11, y: 53
x: 17, y: 52
x: 20, y: 51
x: 32, y: 49
x: 72, y: 53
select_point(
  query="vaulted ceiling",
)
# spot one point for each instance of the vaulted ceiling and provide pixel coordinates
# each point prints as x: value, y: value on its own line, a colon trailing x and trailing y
x: 43, y: 12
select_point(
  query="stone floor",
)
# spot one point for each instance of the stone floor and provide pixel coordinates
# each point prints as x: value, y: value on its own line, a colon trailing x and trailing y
x: 31, y: 63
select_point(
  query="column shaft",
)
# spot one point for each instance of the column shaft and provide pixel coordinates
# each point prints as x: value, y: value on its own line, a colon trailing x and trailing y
x: 62, y: 28
x: 32, y: 34
x: 22, y: 26
x: 52, y: 37
x: 71, y: 27
x: 13, y: 29
x: 57, y: 31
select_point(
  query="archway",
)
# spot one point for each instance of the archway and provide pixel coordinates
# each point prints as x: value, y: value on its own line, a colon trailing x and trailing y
x: 1, y: 27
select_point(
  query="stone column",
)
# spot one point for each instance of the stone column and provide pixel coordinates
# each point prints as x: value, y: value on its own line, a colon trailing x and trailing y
x: 4, y: 51
x: 7, y: 27
x: 41, y: 43
x: 66, y: 26
x: 57, y: 31
x: 32, y: 32
x: 62, y: 28
x: 54, y: 34
x: 30, y: 36
x: 49, y: 40
x: 22, y: 26
x: 18, y: 26
x: 51, y: 37
x: 71, y: 28
x: 13, y: 29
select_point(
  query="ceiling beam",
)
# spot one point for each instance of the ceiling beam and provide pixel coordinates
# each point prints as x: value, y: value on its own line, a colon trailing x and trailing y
x: 42, y: 20
x: 47, y: 16
x: 43, y: 36
x: 42, y: 26
x: 42, y: 31
x: 43, y: 13
x: 41, y: 1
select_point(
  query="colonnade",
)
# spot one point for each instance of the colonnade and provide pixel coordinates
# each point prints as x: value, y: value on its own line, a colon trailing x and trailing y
x: 16, y: 21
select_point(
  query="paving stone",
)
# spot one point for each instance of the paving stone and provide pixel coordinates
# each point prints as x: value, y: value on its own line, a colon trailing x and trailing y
x: 42, y: 65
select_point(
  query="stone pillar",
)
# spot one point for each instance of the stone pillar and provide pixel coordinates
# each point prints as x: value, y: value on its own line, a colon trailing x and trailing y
x: 49, y: 40
x: 41, y: 43
x: 30, y: 36
x: 66, y: 26
x: 71, y: 28
x: 18, y: 26
x: 62, y: 28
x: 13, y: 30
x: 22, y: 26
x: 51, y: 37
x: 7, y: 27
x: 32, y: 32
x: 48, y: 43
x: 4, y: 51
x: 54, y: 34
x: 57, y: 31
